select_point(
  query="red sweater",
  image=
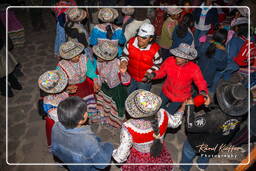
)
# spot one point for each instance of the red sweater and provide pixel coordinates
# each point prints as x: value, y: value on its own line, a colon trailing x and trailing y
x: 177, y: 86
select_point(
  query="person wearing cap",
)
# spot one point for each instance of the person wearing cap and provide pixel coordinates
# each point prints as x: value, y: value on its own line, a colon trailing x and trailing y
x: 139, y: 18
x: 205, y: 17
x: 107, y: 30
x: 53, y: 83
x: 73, y: 140
x: 80, y: 74
x: 113, y: 83
x: 76, y: 30
x: 165, y: 40
x: 142, y: 136
x: 140, y: 56
x: 181, y: 72
x: 214, y: 128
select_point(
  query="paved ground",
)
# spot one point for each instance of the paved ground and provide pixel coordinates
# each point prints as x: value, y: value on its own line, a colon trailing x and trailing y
x: 26, y: 130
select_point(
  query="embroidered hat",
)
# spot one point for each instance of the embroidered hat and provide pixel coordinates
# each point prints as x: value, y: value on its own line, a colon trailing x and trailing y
x: 76, y: 14
x: 70, y: 49
x: 128, y: 11
x: 184, y: 51
x: 238, y: 21
x: 232, y: 97
x: 105, y: 50
x: 174, y: 11
x: 146, y: 30
x: 142, y: 103
x: 54, y: 81
x: 107, y: 14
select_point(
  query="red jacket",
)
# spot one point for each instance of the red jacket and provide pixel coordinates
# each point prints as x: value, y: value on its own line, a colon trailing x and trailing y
x: 177, y: 86
x: 140, y: 60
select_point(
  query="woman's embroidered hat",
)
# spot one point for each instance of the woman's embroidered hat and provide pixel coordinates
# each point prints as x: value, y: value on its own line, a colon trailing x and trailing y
x: 142, y: 103
x: 71, y: 49
x: 238, y: 21
x: 174, y: 11
x: 128, y: 11
x: 76, y: 14
x: 107, y: 14
x: 184, y: 51
x: 105, y: 50
x: 54, y: 81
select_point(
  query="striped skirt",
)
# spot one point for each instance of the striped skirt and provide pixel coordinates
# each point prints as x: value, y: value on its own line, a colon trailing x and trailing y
x: 110, y: 105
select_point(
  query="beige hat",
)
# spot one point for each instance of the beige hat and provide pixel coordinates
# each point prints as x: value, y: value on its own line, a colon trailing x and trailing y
x: 54, y: 81
x: 184, y: 51
x: 105, y: 50
x: 71, y: 49
x: 107, y: 14
x: 128, y: 11
x: 173, y: 11
x: 76, y: 14
x: 142, y: 103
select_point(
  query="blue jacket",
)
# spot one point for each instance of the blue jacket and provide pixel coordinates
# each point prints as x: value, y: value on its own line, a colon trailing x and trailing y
x: 211, y: 16
x: 211, y: 66
x: 80, y: 145
x: 177, y: 40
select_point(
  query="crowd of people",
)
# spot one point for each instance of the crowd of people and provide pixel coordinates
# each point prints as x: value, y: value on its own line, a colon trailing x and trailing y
x: 105, y: 73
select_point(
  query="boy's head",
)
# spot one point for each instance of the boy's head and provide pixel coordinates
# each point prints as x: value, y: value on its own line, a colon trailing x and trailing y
x: 72, y: 112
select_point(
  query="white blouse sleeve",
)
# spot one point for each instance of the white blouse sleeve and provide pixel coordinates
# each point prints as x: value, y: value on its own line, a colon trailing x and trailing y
x: 123, y: 151
x: 174, y: 121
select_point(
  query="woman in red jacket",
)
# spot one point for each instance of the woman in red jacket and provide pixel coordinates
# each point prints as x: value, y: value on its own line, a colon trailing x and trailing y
x: 181, y: 72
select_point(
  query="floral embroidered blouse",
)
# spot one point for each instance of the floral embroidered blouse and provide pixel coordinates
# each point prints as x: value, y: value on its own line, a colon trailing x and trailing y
x: 109, y: 73
x: 138, y: 133
x: 77, y: 72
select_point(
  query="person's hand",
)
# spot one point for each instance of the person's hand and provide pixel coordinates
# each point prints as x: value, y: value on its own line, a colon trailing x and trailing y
x: 207, y: 101
x: 72, y: 89
x: 148, y: 77
x: 96, y: 87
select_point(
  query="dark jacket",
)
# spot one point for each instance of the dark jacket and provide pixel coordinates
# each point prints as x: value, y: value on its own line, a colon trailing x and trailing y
x: 211, y: 16
x: 214, y: 129
x: 211, y: 66
x: 176, y: 40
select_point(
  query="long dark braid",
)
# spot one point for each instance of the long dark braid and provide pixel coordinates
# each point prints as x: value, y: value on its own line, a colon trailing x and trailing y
x: 109, y: 31
x: 156, y: 147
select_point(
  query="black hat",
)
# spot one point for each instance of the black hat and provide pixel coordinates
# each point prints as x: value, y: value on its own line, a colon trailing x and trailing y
x: 232, y: 97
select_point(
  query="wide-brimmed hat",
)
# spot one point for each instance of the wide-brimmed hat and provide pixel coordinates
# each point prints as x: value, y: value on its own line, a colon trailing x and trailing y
x: 107, y: 14
x: 238, y: 21
x: 142, y: 103
x: 76, y: 14
x: 70, y: 49
x: 128, y: 11
x: 184, y: 51
x: 54, y: 81
x: 174, y: 11
x: 232, y: 97
x: 105, y: 50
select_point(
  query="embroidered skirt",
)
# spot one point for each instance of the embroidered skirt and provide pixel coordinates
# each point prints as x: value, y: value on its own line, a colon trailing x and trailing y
x: 138, y: 157
x: 110, y: 104
x: 85, y: 91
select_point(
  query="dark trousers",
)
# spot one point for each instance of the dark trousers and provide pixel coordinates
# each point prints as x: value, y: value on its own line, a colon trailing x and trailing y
x: 168, y: 105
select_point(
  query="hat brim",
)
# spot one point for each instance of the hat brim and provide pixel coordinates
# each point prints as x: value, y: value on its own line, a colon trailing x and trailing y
x: 115, y: 15
x: 61, y: 85
x: 97, y: 52
x: 82, y: 16
x: 238, y: 109
x: 176, y: 12
x: 69, y: 55
x: 181, y: 54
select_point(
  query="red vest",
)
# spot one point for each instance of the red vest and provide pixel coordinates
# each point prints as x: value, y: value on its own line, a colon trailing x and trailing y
x: 140, y: 60
x: 146, y: 137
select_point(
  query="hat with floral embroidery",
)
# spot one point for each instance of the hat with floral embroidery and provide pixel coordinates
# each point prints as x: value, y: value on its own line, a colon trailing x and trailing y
x: 142, y: 103
x: 76, y: 14
x: 71, y: 49
x: 105, y: 50
x: 54, y: 81
x: 107, y: 14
